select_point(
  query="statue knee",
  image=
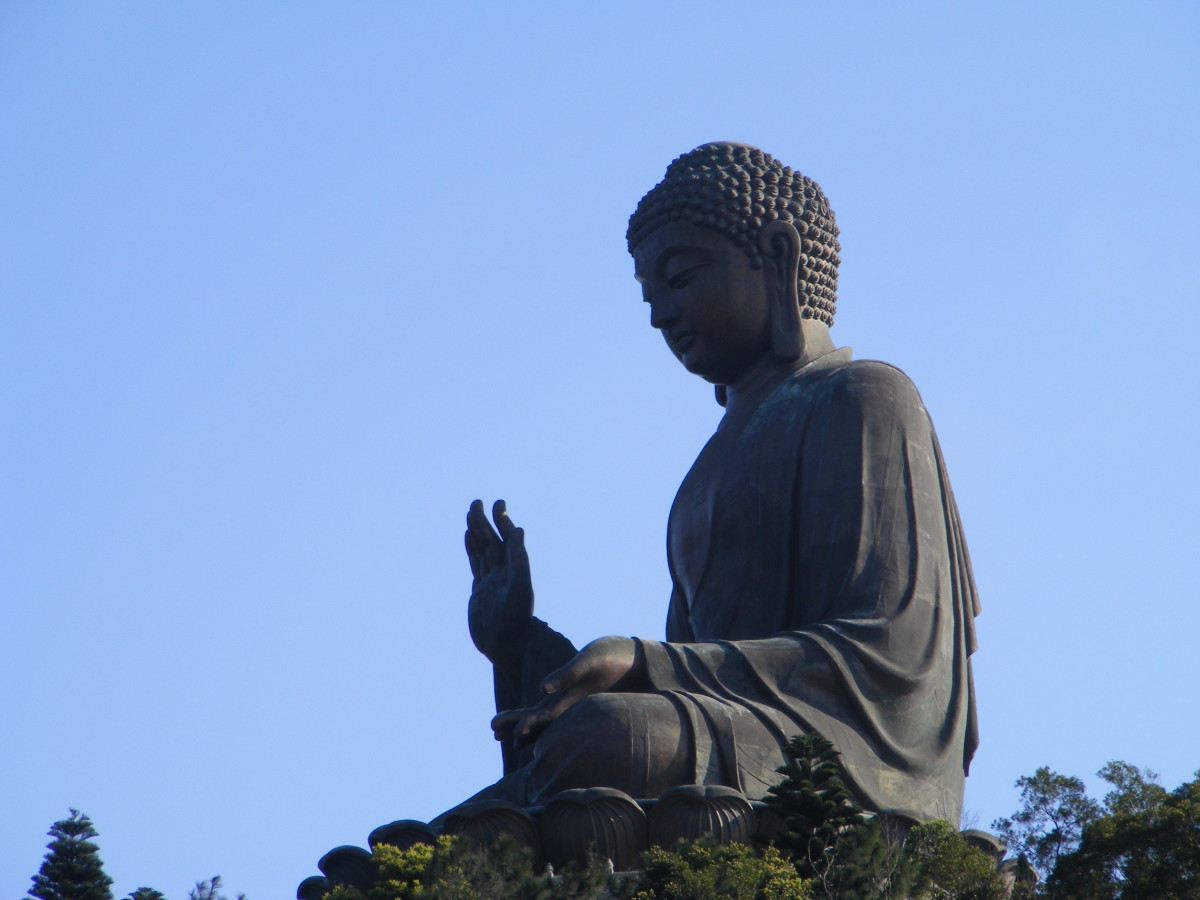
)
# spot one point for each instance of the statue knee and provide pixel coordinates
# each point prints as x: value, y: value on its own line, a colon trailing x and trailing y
x: 636, y: 743
x: 604, y: 713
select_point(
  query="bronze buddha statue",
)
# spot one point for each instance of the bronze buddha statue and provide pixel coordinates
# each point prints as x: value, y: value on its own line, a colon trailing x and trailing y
x: 820, y: 577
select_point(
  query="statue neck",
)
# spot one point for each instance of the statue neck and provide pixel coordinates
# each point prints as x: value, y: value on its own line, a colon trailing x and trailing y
x: 771, y: 371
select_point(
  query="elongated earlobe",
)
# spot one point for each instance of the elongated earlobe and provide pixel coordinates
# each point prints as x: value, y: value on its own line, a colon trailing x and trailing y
x: 779, y: 243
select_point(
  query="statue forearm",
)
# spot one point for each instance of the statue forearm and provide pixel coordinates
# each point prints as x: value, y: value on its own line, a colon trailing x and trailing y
x: 519, y: 676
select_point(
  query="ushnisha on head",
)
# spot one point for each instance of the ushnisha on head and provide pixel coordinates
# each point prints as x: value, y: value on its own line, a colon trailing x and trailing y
x: 736, y: 190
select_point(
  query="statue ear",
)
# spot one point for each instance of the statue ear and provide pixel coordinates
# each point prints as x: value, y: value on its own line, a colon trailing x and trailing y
x: 779, y: 243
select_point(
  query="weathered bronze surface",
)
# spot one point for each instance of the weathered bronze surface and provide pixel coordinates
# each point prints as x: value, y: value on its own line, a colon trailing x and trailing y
x: 821, y: 580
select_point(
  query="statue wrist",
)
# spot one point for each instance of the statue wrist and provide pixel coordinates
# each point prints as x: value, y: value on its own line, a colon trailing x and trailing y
x: 510, y: 651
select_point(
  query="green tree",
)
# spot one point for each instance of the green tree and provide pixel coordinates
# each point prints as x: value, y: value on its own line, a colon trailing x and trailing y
x: 702, y: 870
x: 872, y: 864
x: 209, y: 890
x: 451, y: 869
x: 1054, y: 810
x: 146, y: 893
x: 948, y: 868
x: 814, y: 805
x: 1145, y: 846
x: 591, y: 881
x: 932, y: 862
x: 72, y: 869
x: 1134, y: 790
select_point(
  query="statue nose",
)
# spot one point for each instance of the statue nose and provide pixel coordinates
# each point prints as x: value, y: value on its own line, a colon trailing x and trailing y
x: 662, y: 314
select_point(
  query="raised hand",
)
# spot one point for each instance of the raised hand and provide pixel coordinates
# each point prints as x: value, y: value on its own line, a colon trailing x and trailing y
x: 501, y: 604
x: 606, y: 664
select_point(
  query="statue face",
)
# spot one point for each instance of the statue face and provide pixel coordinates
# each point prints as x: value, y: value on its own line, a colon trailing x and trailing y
x: 712, y: 308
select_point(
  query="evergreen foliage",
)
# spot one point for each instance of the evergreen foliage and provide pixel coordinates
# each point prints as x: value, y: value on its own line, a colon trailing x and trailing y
x: 1054, y: 810
x: 1145, y: 845
x: 814, y: 805
x: 943, y: 866
x: 591, y: 881
x: 849, y: 857
x: 1142, y: 842
x: 705, y: 871
x: 72, y: 869
x: 871, y: 865
x: 933, y: 862
x: 1134, y: 790
x: 209, y: 890
x: 452, y: 869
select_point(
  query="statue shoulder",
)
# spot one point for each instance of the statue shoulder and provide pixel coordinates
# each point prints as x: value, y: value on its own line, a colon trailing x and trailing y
x: 870, y: 382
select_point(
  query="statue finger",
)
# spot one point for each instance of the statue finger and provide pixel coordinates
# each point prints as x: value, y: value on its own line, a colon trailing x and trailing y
x: 517, y: 557
x: 488, y: 543
x: 544, y: 714
x: 481, y: 558
x: 477, y: 521
x: 473, y: 556
x: 473, y: 512
x: 531, y: 726
x: 504, y: 723
x: 503, y: 523
x: 564, y: 677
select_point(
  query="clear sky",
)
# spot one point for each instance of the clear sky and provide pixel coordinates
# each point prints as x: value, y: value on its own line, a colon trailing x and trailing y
x: 286, y: 285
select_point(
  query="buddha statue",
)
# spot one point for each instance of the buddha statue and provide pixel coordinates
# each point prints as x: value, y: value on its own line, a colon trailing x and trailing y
x: 821, y: 582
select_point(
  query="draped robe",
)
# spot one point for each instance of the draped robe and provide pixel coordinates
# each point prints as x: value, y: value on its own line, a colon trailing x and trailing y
x: 821, y: 583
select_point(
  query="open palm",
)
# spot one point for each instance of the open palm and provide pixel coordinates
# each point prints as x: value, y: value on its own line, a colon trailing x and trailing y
x: 501, y: 604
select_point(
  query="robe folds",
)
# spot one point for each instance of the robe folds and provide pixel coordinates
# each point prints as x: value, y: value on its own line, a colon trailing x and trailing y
x: 821, y: 583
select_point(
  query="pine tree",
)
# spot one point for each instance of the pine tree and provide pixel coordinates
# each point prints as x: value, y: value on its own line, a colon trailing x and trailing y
x: 812, y: 801
x: 72, y: 869
x: 210, y: 890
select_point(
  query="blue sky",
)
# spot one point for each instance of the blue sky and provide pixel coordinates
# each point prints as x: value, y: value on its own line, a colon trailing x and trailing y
x: 286, y: 286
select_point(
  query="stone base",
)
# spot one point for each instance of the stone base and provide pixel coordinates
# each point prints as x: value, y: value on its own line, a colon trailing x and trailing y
x: 601, y: 821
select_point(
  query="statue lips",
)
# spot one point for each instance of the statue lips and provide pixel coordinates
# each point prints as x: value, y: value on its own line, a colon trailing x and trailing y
x: 681, y: 342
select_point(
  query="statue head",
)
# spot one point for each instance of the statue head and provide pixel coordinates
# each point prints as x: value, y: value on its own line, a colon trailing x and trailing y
x: 741, y: 192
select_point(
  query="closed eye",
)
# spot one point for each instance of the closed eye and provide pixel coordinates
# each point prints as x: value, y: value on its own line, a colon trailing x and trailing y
x: 681, y: 279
